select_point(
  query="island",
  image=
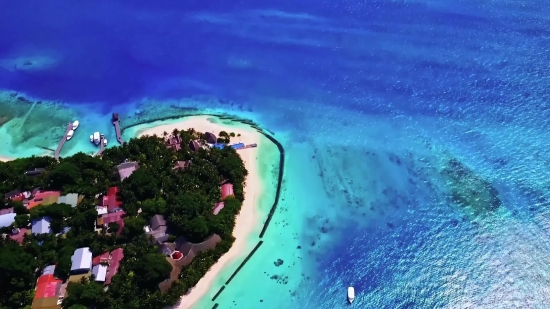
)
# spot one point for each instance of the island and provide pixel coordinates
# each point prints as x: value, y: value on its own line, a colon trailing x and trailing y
x: 137, y: 226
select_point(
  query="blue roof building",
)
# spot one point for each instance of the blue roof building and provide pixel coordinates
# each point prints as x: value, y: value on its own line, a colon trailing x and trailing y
x: 219, y: 146
x: 41, y: 226
x: 7, y: 219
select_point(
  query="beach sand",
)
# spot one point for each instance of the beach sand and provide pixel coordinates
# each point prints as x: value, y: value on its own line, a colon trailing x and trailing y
x: 248, y: 217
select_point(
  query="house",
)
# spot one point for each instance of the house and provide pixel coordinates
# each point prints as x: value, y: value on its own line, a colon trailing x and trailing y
x: 227, y: 190
x: 100, y: 272
x: 14, y: 195
x: 81, y: 261
x: 218, y: 207
x: 7, y: 219
x: 158, y: 229
x: 49, y: 290
x: 194, y: 145
x: 174, y: 142
x: 181, y: 165
x: 43, y: 198
x: 114, y: 217
x: 101, y: 210
x: 181, y: 253
x: 219, y: 146
x: 116, y: 257
x: 110, y: 200
x: 106, y: 265
x: 41, y: 226
x: 210, y: 138
x: 6, y: 211
x: 126, y: 169
x: 35, y: 172
x: 70, y: 199
x: 18, y: 234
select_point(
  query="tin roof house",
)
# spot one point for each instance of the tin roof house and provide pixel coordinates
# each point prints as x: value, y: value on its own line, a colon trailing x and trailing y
x: 174, y: 142
x: 106, y: 265
x: 35, y: 172
x: 111, y: 200
x: 43, y: 198
x: 81, y: 261
x: 126, y: 169
x: 227, y: 190
x: 70, y: 199
x: 7, y: 219
x: 158, y: 229
x: 49, y: 290
x: 41, y: 226
x: 114, y: 217
x: 181, y: 165
x: 194, y: 145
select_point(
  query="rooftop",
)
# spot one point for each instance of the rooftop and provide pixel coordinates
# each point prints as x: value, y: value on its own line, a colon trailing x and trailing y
x: 7, y: 219
x: 71, y: 199
x: 126, y: 169
x: 41, y: 226
x: 81, y: 259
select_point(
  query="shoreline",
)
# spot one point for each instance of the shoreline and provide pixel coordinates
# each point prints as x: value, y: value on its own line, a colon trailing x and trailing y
x: 247, y: 219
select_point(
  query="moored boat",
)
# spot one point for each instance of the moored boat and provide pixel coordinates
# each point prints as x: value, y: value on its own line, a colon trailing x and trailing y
x: 96, y: 138
x: 351, y: 294
x: 75, y: 124
x: 70, y: 134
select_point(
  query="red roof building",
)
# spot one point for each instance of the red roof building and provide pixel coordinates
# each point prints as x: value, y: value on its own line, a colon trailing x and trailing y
x: 103, y: 258
x: 227, y: 190
x: 114, y: 217
x: 44, y: 197
x: 48, y: 292
x: 116, y: 256
x: 111, y: 200
x: 19, y: 234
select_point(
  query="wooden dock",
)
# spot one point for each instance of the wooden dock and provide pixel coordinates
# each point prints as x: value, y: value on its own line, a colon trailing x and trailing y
x: 101, y: 145
x: 63, y: 140
x: 116, y: 123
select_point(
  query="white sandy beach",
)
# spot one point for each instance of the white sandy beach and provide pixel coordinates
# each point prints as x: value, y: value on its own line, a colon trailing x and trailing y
x: 247, y: 218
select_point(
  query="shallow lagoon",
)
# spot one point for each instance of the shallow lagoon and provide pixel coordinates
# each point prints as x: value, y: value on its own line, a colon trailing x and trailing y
x: 370, y: 101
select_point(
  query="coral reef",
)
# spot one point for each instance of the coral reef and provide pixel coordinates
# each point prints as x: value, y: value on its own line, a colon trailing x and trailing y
x: 469, y: 190
x: 33, y: 123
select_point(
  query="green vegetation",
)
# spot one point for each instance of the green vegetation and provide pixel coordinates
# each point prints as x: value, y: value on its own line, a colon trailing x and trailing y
x: 185, y: 198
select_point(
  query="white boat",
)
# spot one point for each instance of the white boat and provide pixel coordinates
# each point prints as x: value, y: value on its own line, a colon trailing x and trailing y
x: 91, y: 138
x: 105, y: 142
x: 75, y: 124
x: 351, y: 294
x: 96, y: 138
x: 70, y: 134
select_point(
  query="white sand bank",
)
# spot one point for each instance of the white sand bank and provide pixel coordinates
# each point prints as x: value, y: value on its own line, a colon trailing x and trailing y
x: 248, y: 217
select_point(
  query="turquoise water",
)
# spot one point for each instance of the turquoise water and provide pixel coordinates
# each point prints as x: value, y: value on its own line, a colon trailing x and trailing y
x: 374, y: 103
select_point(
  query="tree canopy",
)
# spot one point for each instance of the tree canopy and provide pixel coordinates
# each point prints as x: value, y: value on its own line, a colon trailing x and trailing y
x: 185, y: 197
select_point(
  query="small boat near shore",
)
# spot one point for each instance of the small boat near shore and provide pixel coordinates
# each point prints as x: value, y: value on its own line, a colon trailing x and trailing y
x: 70, y: 134
x: 75, y: 124
x: 351, y: 294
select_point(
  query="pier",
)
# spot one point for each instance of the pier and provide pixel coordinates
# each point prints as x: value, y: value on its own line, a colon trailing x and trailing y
x: 116, y: 123
x: 63, y: 140
x: 101, y: 145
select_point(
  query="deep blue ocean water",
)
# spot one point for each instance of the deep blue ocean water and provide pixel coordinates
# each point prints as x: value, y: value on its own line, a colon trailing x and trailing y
x: 371, y: 100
